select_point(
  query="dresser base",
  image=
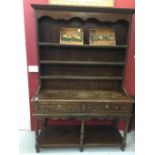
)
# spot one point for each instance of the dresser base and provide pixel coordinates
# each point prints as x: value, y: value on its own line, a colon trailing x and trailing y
x: 69, y: 136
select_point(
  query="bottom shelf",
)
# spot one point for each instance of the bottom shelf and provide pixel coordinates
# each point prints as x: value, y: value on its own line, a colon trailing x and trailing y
x: 102, y: 136
x: 69, y: 135
x: 60, y: 136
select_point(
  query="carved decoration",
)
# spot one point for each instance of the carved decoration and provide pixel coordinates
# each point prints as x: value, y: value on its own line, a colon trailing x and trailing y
x: 83, y: 16
x: 82, y: 108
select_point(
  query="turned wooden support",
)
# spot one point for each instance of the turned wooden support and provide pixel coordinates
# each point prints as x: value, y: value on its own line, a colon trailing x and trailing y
x: 82, y: 136
x: 44, y: 122
x: 37, y: 134
x: 125, y: 134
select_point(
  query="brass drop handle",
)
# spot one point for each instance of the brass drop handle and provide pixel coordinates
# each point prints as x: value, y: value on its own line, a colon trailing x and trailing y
x: 59, y: 106
x: 107, y: 106
x: 116, y: 107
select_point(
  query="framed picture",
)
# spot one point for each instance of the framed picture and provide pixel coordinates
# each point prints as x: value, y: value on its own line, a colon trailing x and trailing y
x: 102, y: 37
x: 72, y: 36
x: 91, y: 3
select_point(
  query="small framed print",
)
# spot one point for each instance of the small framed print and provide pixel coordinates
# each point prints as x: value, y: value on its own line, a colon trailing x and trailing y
x: 71, y: 36
x: 91, y: 3
x: 105, y: 37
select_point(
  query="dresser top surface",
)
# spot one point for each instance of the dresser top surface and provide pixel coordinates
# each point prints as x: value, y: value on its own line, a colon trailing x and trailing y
x: 83, y: 95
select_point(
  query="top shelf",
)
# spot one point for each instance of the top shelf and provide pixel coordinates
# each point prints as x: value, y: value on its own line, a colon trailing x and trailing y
x: 84, y: 8
x: 82, y: 46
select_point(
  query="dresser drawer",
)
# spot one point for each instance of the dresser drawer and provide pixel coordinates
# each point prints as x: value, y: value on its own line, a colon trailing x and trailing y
x: 108, y: 107
x: 81, y: 107
x: 56, y: 108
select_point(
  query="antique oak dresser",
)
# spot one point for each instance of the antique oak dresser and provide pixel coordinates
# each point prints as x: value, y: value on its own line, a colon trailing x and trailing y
x: 81, y: 82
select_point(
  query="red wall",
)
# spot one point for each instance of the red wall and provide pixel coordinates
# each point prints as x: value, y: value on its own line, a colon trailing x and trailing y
x: 32, y: 51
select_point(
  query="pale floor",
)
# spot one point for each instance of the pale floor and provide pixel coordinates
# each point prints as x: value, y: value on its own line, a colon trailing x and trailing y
x: 27, y: 146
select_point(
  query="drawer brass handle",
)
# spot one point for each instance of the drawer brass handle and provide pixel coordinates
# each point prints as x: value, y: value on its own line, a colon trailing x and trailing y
x: 107, y: 106
x: 59, y: 106
x: 116, y: 107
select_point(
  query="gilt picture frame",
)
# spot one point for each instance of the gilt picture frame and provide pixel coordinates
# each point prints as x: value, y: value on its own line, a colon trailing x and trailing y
x: 89, y: 3
x: 71, y: 36
x: 105, y: 37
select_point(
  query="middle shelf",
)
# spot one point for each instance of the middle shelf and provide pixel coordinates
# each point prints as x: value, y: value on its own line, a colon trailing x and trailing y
x: 124, y: 46
x: 69, y: 77
x: 61, y: 62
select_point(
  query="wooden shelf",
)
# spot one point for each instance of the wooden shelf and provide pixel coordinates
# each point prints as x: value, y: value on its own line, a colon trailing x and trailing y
x: 100, y: 135
x: 84, y: 8
x: 69, y: 135
x: 54, y: 136
x: 61, y: 62
x: 81, y: 77
x: 82, y: 46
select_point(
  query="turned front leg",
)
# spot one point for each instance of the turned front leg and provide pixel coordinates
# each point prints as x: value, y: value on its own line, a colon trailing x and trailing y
x: 44, y: 122
x: 82, y: 136
x: 125, y: 134
x: 37, y: 134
